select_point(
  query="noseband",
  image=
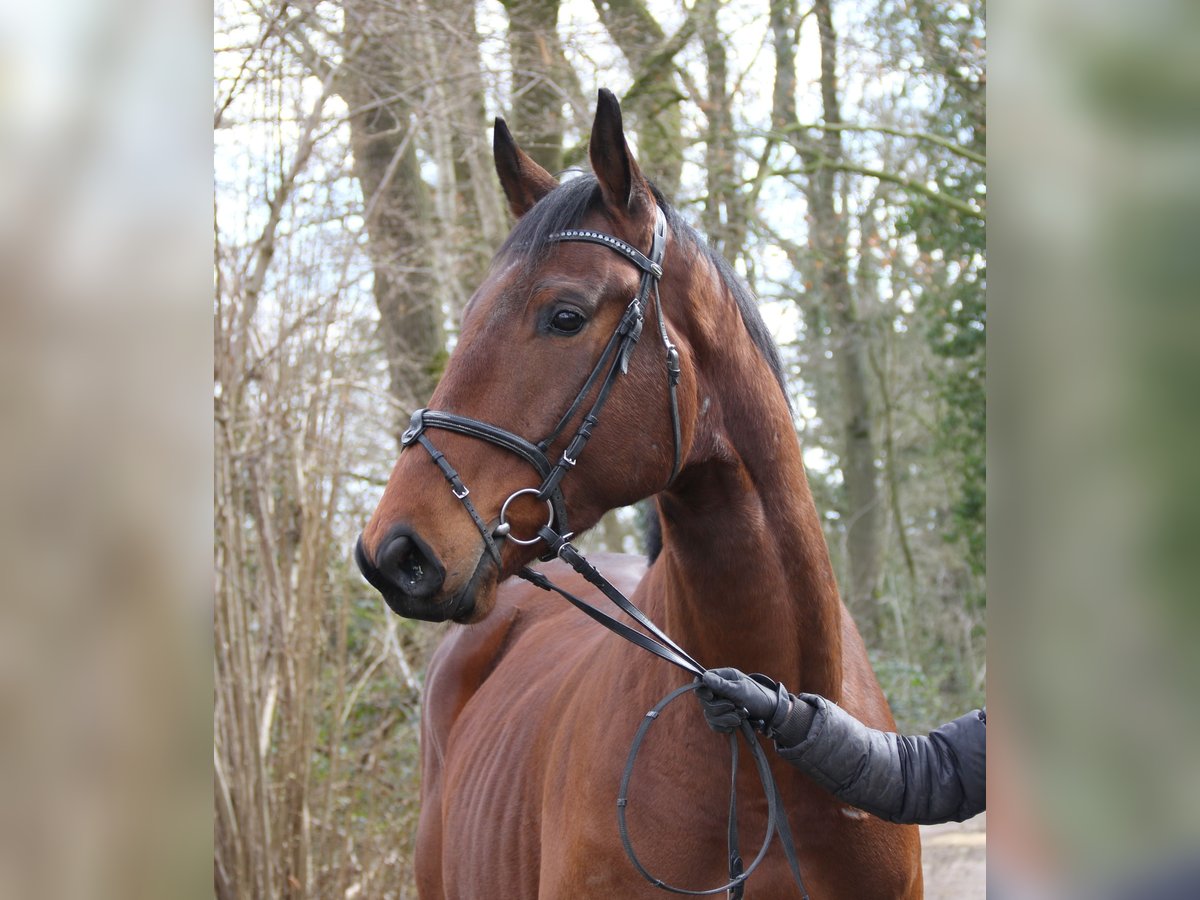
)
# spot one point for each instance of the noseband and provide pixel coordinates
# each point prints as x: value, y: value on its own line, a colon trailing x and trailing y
x: 613, y: 360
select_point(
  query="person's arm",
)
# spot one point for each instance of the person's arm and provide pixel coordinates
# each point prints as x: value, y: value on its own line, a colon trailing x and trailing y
x: 920, y: 779
x: 939, y: 777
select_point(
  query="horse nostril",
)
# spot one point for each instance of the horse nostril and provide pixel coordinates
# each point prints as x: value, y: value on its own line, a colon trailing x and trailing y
x: 406, y: 564
x: 394, y: 559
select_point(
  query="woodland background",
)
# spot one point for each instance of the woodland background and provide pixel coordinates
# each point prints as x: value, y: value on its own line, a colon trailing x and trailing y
x: 835, y: 152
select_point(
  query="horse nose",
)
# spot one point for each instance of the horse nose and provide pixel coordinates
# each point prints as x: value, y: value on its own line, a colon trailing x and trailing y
x: 403, y: 564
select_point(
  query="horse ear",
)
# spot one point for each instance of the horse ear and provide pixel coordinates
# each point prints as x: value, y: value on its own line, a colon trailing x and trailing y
x: 523, y: 180
x: 626, y: 191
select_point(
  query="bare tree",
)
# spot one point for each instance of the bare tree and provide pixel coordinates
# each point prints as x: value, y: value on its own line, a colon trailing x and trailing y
x: 540, y: 76
x: 653, y: 103
x: 292, y: 353
x: 864, y: 513
x: 381, y: 91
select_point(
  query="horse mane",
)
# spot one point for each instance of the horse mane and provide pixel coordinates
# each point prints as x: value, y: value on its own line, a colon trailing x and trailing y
x: 565, y: 207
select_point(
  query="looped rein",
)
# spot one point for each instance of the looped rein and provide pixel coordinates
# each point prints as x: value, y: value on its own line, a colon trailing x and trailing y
x: 662, y: 646
x: 776, y: 818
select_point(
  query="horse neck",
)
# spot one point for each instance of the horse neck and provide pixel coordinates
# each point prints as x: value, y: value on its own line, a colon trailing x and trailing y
x: 744, y: 577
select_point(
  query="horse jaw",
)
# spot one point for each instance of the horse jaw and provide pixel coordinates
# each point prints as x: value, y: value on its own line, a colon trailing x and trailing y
x: 477, y: 598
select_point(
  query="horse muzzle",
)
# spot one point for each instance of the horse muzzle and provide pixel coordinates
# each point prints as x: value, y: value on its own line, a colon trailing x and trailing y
x: 411, y: 578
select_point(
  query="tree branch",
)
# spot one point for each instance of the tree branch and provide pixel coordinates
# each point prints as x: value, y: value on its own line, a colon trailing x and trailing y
x: 954, y: 148
x: 954, y: 203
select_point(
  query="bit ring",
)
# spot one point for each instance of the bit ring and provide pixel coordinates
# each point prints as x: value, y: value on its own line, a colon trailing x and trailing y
x: 504, y: 512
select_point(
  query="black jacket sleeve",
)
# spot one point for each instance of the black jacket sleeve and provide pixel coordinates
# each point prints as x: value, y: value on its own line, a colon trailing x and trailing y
x: 940, y: 777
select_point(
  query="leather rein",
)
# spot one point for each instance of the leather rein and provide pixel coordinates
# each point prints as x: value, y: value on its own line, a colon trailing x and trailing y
x: 614, y: 360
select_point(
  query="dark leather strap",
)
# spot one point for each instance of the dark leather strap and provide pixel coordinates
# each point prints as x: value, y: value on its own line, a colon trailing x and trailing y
x: 583, y: 433
x: 568, y: 554
x: 737, y: 867
x: 460, y: 491
x: 613, y: 342
x: 662, y: 651
x: 432, y: 418
x: 673, y: 373
x: 775, y: 811
x: 635, y: 256
x: 662, y: 646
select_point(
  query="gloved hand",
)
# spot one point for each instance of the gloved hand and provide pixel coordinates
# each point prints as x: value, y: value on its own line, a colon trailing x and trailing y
x: 729, y: 695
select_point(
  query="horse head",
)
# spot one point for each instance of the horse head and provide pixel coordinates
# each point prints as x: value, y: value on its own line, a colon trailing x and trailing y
x: 544, y: 336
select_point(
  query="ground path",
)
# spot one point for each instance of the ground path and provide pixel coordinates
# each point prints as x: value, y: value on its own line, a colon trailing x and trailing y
x: 954, y: 857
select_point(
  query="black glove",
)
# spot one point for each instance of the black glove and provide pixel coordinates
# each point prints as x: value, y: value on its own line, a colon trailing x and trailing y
x: 728, y: 696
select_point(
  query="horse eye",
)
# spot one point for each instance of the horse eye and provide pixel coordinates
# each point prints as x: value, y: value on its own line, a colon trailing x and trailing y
x: 567, y: 321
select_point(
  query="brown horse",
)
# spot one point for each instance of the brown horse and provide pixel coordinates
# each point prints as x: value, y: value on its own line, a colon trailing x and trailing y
x: 529, y: 706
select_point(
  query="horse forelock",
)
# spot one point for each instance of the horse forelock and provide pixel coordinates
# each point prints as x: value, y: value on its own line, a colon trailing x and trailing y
x: 529, y: 244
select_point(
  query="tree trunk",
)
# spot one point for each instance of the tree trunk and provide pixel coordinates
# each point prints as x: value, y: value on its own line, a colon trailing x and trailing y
x: 540, y: 75
x: 399, y: 211
x: 863, y: 515
x: 723, y: 213
x: 471, y: 212
x: 653, y: 103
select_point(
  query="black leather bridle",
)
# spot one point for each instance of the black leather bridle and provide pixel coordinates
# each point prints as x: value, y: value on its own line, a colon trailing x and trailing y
x: 613, y: 360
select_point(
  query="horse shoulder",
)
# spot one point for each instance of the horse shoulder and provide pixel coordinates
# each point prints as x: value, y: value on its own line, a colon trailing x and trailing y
x: 509, y: 647
x: 469, y: 654
x: 894, y: 851
x: 460, y: 665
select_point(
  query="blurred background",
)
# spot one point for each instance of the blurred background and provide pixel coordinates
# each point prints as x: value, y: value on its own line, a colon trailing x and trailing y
x: 846, y: 186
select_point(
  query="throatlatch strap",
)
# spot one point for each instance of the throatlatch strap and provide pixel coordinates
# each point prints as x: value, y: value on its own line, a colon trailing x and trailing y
x: 673, y: 373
